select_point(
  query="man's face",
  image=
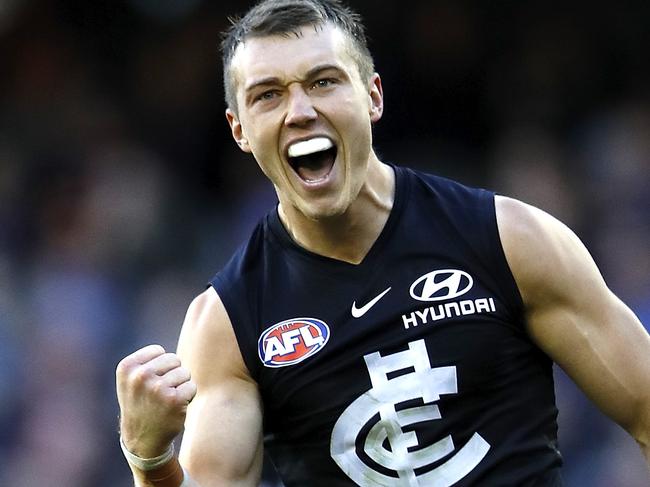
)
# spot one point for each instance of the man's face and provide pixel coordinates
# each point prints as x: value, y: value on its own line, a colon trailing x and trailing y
x: 306, y: 116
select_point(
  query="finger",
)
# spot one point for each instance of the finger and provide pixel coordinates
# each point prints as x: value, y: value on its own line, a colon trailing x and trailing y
x: 137, y: 358
x: 146, y: 354
x: 176, y: 377
x: 162, y: 364
x: 186, y: 391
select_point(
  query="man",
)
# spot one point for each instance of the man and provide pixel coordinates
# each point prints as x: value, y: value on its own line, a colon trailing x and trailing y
x: 381, y: 326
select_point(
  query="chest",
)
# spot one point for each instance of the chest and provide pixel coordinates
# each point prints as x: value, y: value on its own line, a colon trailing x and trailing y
x: 332, y: 336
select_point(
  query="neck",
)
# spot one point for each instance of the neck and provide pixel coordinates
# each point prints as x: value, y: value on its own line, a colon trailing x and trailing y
x: 349, y: 236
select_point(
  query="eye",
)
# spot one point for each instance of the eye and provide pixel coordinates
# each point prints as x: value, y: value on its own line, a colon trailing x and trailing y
x: 323, y: 83
x: 266, y: 95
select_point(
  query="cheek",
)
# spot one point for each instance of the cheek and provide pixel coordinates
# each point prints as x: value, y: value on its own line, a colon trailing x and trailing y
x: 352, y: 125
x: 270, y: 166
x: 263, y: 144
x: 263, y: 167
x: 267, y: 158
x: 357, y: 112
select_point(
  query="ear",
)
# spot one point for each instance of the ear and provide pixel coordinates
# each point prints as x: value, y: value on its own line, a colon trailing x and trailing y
x: 237, y: 131
x: 376, y: 98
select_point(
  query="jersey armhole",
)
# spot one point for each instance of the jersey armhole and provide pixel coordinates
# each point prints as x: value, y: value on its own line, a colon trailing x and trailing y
x: 242, y: 328
x: 505, y: 272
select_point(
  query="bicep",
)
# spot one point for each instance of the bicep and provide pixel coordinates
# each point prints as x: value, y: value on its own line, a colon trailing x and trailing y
x: 574, y: 317
x: 222, y: 442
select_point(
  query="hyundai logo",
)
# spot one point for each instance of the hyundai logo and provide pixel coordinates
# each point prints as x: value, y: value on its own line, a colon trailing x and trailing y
x: 441, y: 284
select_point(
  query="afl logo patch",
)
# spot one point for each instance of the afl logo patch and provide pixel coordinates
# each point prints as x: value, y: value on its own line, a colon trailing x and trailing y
x: 292, y: 341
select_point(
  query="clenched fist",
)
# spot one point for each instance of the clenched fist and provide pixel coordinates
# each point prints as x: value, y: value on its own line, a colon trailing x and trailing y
x: 153, y: 390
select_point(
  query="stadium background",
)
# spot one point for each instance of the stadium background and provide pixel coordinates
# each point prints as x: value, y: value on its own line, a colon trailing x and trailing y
x: 121, y: 191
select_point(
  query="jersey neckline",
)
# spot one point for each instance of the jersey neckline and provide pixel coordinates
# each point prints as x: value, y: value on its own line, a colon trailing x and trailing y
x: 279, y: 231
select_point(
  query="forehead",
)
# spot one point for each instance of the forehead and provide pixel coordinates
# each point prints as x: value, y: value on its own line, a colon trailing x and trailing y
x: 287, y: 57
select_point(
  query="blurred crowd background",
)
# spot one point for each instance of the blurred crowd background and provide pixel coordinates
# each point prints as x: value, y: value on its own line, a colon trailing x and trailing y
x: 121, y: 191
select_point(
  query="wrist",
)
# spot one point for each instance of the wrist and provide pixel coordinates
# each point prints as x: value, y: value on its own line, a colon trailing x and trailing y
x: 146, y: 464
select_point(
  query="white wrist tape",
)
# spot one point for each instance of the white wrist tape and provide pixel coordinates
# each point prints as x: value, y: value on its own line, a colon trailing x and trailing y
x: 187, y: 481
x: 147, y: 463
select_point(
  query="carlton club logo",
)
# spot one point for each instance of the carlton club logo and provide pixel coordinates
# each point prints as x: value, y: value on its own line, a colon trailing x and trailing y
x: 292, y: 341
x: 379, y: 424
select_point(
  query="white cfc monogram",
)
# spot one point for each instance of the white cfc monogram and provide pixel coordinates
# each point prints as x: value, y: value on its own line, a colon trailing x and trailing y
x: 405, y: 455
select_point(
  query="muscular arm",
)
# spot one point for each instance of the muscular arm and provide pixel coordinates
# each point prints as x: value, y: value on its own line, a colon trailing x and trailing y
x: 222, y: 442
x: 576, y: 319
x: 219, y: 406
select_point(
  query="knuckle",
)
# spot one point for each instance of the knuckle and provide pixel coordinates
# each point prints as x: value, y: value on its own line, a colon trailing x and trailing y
x: 122, y: 368
x: 140, y: 375
x: 156, y: 348
x: 187, y: 391
x: 158, y: 388
x: 167, y: 396
x: 173, y: 359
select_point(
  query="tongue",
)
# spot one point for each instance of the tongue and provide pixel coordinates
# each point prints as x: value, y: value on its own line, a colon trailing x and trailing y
x: 315, y: 167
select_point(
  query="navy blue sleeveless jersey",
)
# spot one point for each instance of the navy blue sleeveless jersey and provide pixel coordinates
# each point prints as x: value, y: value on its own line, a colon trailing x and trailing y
x: 410, y: 368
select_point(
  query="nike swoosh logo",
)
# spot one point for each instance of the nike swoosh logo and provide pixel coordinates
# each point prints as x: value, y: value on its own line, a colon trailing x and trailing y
x: 359, y: 312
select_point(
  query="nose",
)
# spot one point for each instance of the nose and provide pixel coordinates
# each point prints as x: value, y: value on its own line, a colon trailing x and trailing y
x: 300, y: 109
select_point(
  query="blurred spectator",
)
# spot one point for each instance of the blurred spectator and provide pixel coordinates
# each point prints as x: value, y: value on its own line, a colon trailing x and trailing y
x: 121, y: 191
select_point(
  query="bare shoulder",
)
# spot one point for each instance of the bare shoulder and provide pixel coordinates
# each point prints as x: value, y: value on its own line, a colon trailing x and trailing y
x: 222, y: 441
x: 546, y: 257
x: 524, y: 229
x: 207, y: 341
x: 575, y: 318
x: 206, y: 307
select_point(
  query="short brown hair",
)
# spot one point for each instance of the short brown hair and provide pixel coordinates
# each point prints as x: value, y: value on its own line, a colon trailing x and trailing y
x: 285, y: 17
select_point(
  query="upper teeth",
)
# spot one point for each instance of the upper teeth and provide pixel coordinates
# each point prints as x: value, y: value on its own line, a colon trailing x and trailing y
x: 310, y: 146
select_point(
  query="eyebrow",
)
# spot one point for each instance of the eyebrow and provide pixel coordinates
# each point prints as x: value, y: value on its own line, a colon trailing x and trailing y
x: 273, y: 80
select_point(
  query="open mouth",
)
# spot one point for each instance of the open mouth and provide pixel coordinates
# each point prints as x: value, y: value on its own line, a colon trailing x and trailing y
x: 312, y: 159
